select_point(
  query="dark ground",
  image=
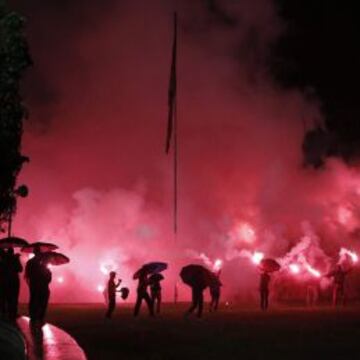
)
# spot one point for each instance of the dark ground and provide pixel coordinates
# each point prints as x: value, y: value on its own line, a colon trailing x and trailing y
x: 234, y: 333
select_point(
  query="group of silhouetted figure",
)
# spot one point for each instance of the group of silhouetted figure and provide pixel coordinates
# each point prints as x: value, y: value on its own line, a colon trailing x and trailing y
x: 152, y: 300
x: 153, y: 297
x: 37, y: 276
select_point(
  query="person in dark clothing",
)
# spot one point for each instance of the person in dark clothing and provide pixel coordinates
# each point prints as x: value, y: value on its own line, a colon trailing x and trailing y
x: 38, y: 277
x: 2, y: 284
x: 142, y: 294
x: 264, y: 290
x: 155, y: 291
x: 111, y: 293
x: 197, y: 300
x: 339, y: 276
x: 215, y: 292
x: 12, y: 268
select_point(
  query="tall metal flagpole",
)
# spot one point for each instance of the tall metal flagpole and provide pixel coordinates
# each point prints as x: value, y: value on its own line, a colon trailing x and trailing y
x: 172, y: 126
x: 175, y: 133
x: 172, y: 132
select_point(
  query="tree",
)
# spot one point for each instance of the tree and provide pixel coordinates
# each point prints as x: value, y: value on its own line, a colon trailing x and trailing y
x: 14, y: 60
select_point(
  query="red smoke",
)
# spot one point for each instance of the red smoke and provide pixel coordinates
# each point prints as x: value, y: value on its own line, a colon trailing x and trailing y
x: 101, y: 183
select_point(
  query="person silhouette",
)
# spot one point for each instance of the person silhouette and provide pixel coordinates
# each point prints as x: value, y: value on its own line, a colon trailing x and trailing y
x: 111, y: 294
x: 2, y: 284
x: 38, y: 277
x: 264, y: 290
x: 12, y: 268
x: 142, y: 294
x: 215, y: 292
x: 339, y: 276
x: 155, y: 291
x: 197, y: 300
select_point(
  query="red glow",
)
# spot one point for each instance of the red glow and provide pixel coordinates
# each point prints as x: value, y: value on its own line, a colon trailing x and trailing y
x: 218, y: 263
x: 245, y: 233
x: 60, y: 279
x: 257, y: 257
x: 294, y: 268
x: 343, y: 252
x: 312, y: 271
x: 344, y: 215
x: 107, y: 198
x: 107, y: 266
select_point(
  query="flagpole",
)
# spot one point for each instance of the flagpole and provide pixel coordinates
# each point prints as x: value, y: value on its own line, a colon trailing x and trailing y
x: 172, y: 131
x: 176, y: 168
x: 175, y: 209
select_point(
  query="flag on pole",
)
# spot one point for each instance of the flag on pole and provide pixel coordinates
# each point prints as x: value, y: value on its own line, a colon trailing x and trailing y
x: 172, y: 91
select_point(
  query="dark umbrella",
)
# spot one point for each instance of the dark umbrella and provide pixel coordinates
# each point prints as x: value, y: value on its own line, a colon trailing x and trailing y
x: 269, y: 265
x: 42, y: 246
x: 196, y: 275
x: 151, y: 268
x: 124, y: 293
x: 155, y: 278
x: 54, y: 258
x: 12, y: 242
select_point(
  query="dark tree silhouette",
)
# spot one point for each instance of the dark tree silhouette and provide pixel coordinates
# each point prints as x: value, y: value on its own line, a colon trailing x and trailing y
x: 14, y: 60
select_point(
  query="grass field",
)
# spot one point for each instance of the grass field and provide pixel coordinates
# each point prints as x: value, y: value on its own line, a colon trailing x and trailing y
x: 233, y: 333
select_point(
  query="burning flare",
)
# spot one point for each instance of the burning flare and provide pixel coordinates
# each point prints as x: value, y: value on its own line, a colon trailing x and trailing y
x: 257, y: 257
x: 345, y: 252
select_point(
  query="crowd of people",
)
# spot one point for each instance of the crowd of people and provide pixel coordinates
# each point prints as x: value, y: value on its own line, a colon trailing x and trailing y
x: 153, y: 297
x: 37, y: 276
x: 149, y: 290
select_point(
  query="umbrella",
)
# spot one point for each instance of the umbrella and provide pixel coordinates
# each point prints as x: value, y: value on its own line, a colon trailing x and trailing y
x: 12, y: 242
x: 124, y: 293
x: 43, y: 246
x: 54, y: 258
x: 151, y: 268
x: 196, y: 275
x: 155, y: 278
x: 269, y: 265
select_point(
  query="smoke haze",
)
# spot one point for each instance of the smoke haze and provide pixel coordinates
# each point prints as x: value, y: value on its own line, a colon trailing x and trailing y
x: 101, y: 184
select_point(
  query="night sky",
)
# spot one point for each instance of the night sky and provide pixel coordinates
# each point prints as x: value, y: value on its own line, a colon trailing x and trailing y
x: 319, y: 53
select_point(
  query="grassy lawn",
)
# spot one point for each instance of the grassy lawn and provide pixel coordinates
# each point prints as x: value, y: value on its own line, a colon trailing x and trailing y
x: 236, y: 333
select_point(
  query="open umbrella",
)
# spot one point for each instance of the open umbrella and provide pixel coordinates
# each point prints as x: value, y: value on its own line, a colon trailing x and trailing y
x: 124, y: 293
x: 151, y: 268
x: 156, y: 278
x: 269, y: 265
x: 43, y: 246
x: 54, y: 258
x: 196, y: 275
x: 12, y: 242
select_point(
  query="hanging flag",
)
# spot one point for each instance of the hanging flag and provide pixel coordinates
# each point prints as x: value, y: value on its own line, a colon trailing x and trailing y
x: 172, y: 91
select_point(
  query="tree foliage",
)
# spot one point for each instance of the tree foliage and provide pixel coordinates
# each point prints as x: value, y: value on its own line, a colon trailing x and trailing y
x: 14, y: 60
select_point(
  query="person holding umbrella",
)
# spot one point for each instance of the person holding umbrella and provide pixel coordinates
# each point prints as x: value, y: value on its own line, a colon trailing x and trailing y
x: 142, y: 294
x: 2, y: 284
x: 38, y: 277
x: 215, y: 291
x: 339, y: 277
x: 198, y: 278
x: 264, y: 290
x: 111, y: 293
x: 266, y: 266
x: 155, y: 290
x: 143, y: 277
x: 12, y: 268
